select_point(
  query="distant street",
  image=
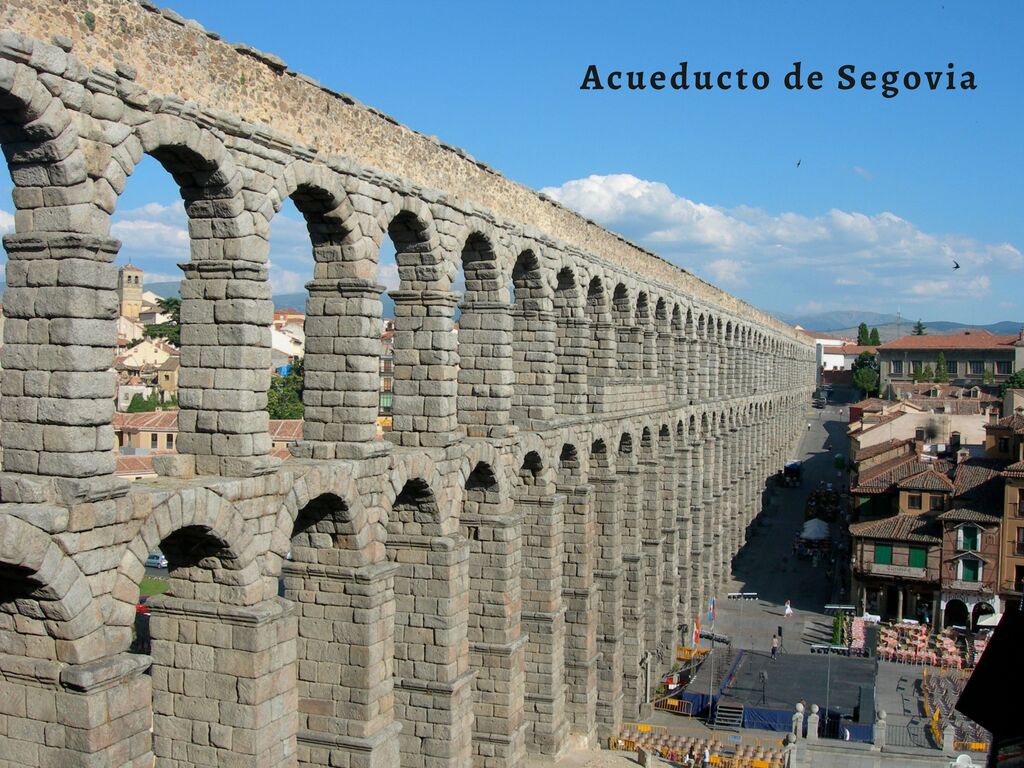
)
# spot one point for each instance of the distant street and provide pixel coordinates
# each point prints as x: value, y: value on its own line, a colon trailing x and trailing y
x: 767, y: 565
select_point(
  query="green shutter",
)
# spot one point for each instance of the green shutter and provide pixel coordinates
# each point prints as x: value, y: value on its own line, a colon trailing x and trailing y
x: 918, y: 557
x: 971, y: 569
x: 970, y: 537
x: 883, y: 554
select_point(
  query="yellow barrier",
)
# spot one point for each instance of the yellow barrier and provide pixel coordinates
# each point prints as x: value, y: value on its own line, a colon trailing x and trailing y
x: 690, y: 654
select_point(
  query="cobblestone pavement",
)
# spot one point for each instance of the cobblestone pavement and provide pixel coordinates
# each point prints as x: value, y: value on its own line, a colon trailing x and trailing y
x: 585, y: 759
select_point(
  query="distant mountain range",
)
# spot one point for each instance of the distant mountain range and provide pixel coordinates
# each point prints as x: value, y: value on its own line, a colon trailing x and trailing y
x: 844, y: 323
x: 281, y: 300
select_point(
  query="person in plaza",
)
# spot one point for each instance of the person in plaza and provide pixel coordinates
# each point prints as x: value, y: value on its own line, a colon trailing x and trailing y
x: 775, y: 646
x: 789, y: 610
x: 690, y: 759
x: 707, y: 756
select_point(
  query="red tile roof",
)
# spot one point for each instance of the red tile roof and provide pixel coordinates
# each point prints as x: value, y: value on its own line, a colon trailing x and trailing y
x: 285, y: 429
x: 971, y: 338
x: 929, y: 480
x: 900, y: 528
x: 848, y: 349
x: 877, y: 450
x: 154, y: 421
x: 138, y: 464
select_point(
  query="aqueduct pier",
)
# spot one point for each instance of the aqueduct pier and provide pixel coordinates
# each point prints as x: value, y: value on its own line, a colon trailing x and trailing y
x: 566, y: 482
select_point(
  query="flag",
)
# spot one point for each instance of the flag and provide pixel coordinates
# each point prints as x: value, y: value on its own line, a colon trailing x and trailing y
x: 696, y: 632
x: 711, y: 611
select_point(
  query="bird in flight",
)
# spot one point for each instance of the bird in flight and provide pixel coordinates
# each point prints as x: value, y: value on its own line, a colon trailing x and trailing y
x: 798, y: 163
x: 956, y: 266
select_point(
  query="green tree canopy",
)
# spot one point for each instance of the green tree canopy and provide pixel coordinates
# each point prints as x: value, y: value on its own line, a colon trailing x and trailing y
x: 140, y: 404
x: 919, y: 328
x: 284, y: 398
x: 1015, y: 381
x: 874, y: 339
x: 866, y: 379
x: 863, y: 336
x: 171, y: 329
x: 941, y: 371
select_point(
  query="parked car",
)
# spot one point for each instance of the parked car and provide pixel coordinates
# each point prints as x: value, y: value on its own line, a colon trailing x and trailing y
x: 157, y: 560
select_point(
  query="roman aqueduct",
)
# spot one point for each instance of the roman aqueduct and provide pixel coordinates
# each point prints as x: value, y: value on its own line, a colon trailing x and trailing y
x: 566, y: 482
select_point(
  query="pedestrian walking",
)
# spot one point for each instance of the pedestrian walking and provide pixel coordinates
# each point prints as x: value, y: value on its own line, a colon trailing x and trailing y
x: 789, y: 610
x: 775, y: 646
x: 808, y: 426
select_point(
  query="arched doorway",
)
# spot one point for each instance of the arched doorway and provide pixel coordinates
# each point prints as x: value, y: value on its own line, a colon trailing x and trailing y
x: 981, y: 610
x: 955, y: 614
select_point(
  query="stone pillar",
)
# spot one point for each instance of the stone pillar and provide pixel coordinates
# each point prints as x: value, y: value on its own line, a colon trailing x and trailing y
x: 899, y: 604
x: 496, y: 640
x: 698, y: 526
x: 544, y: 623
x: 485, y: 368
x: 60, y: 334
x: 345, y: 641
x: 433, y: 683
x: 600, y: 364
x: 581, y: 595
x: 533, y: 362
x: 948, y: 739
x: 679, y: 387
x: 878, y: 732
x: 636, y: 344
x: 223, y: 682
x: 812, y: 723
x: 702, y: 353
x: 341, y: 391
x: 610, y: 578
x: 714, y: 352
x: 709, y: 559
x: 76, y: 715
x: 797, y: 728
x: 650, y: 342
x: 226, y: 314
x: 651, y: 553
x: 633, y: 614
x: 426, y: 369
x: 668, y: 606
x: 665, y: 352
x: 693, y: 364
x: 684, y: 521
x: 571, y: 367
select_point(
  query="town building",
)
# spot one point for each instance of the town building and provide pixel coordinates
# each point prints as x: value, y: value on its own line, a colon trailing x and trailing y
x: 879, y: 422
x: 841, y: 357
x: 971, y: 356
x: 1006, y: 439
x: 129, y: 291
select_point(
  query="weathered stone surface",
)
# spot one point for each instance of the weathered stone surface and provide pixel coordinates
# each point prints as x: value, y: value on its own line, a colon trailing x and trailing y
x: 477, y: 582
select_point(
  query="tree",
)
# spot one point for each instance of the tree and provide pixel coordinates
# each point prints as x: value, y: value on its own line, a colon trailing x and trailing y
x: 284, y: 398
x: 874, y: 339
x: 941, y: 370
x: 919, y: 328
x: 1016, y: 381
x: 171, y: 329
x: 863, y: 337
x: 140, y: 404
x: 987, y: 377
x: 866, y: 379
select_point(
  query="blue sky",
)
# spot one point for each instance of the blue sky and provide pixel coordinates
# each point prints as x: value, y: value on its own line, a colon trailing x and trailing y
x: 888, y: 192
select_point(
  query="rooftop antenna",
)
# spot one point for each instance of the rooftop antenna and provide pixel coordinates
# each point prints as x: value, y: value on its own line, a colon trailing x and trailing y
x: 898, y: 333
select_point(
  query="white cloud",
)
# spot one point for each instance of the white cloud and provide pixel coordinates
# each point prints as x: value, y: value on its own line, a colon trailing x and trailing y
x: 153, y: 231
x: 286, y: 281
x: 6, y: 222
x: 878, y: 246
x: 726, y: 271
x: 387, y: 275
x: 864, y: 173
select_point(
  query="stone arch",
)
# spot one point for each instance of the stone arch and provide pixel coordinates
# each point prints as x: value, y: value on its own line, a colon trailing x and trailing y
x: 359, y: 543
x: 485, y: 373
x: 534, y: 341
x: 57, y: 617
x: 629, y: 342
x: 571, y: 470
x: 42, y: 145
x: 206, y: 532
x: 601, y: 363
x: 571, y: 345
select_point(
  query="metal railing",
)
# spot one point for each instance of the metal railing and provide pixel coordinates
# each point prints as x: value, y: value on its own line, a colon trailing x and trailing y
x: 917, y: 735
